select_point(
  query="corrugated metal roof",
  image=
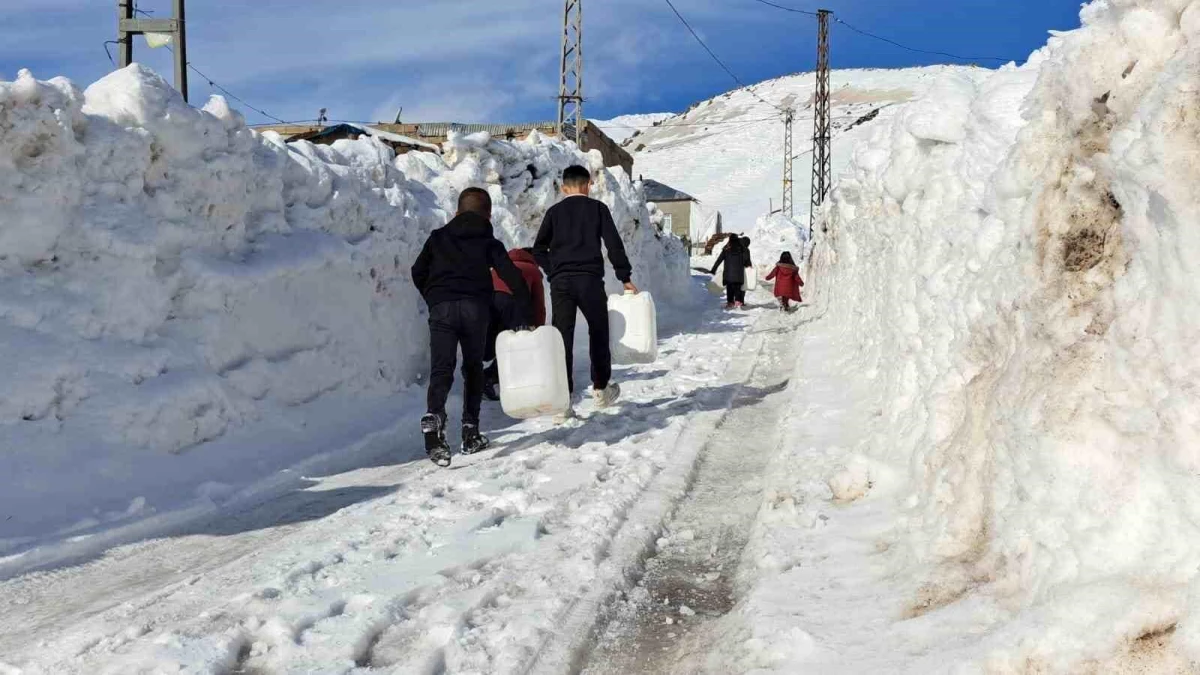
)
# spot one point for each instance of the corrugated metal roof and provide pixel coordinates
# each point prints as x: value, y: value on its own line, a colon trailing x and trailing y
x: 363, y: 130
x: 398, y: 138
x: 658, y: 192
x: 316, y: 134
x: 443, y: 128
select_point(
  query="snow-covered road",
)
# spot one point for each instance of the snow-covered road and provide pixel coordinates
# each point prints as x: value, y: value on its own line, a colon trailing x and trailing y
x: 690, y: 580
x: 495, y: 566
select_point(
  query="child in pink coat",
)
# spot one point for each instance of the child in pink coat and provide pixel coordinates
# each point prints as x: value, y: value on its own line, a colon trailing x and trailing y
x: 787, y: 281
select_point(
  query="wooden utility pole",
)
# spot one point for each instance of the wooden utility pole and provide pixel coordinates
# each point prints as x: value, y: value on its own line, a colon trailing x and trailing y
x: 129, y: 25
x: 570, y: 86
x: 181, y: 61
x: 822, y: 171
x: 124, y: 40
x: 788, y: 159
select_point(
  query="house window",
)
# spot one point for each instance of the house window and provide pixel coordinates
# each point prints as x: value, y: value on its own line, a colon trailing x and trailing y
x: 667, y: 223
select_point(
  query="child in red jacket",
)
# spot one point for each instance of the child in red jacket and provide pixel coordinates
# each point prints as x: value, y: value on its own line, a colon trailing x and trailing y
x: 787, y: 281
x: 505, y: 317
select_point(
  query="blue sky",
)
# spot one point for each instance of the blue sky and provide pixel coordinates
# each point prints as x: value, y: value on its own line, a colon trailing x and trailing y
x: 497, y: 60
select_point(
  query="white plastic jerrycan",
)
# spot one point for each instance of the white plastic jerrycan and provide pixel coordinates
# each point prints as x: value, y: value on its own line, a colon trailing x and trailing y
x: 751, y: 278
x: 632, y: 328
x: 533, y: 373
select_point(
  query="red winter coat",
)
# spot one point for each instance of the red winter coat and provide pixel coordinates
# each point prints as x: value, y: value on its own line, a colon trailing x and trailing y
x: 528, y: 266
x: 787, y: 281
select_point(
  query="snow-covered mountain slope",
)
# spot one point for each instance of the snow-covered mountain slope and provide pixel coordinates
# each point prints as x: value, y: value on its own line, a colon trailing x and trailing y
x: 728, y: 151
x: 186, y: 305
x: 622, y: 128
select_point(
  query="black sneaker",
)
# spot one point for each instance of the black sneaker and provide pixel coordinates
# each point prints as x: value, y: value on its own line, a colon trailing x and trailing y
x: 434, y: 428
x: 489, y: 391
x: 473, y: 441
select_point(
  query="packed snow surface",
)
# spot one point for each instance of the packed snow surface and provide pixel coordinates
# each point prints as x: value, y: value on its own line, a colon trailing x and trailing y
x: 399, y: 566
x: 187, y: 306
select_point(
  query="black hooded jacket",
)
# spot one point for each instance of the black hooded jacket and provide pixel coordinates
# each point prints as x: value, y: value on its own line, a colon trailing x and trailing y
x: 736, y: 258
x: 457, y: 261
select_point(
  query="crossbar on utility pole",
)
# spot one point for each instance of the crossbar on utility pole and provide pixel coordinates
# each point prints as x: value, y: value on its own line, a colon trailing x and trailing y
x: 822, y: 171
x: 788, y: 159
x: 128, y: 26
x: 570, y: 85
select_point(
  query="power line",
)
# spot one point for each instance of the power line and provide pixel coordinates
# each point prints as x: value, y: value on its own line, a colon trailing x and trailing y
x: 809, y: 151
x: 920, y: 51
x: 110, y: 57
x: 718, y: 59
x: 787, y: 9
x: 883, y: 39
x: 230, y: 94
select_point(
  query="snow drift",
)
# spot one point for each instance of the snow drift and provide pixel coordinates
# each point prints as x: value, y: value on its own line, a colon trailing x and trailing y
x: 773, y: 235
x: 170, y: 279
x: 1014, y: 259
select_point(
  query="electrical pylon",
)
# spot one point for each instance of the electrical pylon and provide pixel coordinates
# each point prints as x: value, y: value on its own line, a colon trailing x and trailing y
x: 570, y: 87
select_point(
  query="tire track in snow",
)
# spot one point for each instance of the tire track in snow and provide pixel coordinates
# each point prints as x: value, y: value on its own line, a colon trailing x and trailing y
x: 689, y: 582
x: 566, y: 649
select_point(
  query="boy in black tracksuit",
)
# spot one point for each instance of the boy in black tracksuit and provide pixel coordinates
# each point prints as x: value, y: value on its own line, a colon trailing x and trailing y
x: 571, y: 234
x: 453, y: 274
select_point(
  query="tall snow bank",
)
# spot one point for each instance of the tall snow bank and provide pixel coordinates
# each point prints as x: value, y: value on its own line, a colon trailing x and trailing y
x: 1016, y: 263
x: 170, y: 278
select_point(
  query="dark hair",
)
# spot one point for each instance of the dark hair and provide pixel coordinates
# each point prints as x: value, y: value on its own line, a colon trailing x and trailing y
x: 576, y: 176
x: 746, y: 242
x: 786, y: 259
x: 475, y: 200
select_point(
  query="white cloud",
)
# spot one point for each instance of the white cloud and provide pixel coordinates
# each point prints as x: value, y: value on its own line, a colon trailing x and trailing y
x: 457, y: 99
x: 464, y: 60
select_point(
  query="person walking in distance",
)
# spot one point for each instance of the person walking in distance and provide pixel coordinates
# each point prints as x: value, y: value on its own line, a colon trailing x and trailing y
x: 735, y: 257
x: 787, y: 281
x: 453, y: 274
x: 571, y: 234
x: 506, y: 314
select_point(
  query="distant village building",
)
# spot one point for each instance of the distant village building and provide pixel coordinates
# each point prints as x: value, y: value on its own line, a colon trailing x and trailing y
x: 676, y: 206
x: 683, y: 215
x: 429, y: 136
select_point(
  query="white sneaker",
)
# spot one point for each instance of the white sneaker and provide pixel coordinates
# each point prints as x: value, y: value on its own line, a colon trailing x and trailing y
x: 607, y: 396
x: 565, y: 416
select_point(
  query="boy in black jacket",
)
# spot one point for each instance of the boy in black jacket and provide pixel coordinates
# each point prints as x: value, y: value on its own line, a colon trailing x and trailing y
x: 453, y: 274
x: 571, y: 234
